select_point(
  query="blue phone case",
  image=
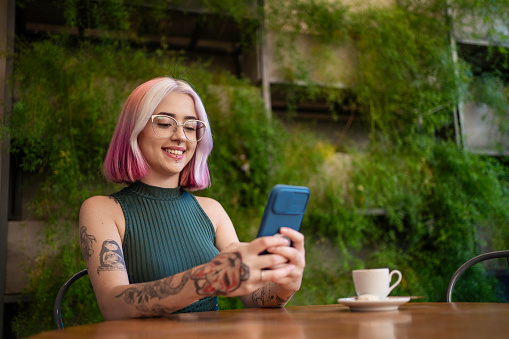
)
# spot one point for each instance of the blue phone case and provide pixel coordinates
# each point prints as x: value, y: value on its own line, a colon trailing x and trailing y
x: 285, y: 207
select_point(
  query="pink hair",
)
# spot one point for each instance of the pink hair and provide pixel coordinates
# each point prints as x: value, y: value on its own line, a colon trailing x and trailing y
x: 124, y: 162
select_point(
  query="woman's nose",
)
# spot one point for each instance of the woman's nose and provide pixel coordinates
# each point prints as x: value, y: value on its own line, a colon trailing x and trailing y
x: 179, y: 134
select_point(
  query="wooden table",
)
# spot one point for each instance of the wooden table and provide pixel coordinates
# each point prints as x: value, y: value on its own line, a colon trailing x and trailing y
x: 413, y: 320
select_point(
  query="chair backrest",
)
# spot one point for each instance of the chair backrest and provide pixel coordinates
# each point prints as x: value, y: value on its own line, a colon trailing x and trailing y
x: 57, y: 310
x: 468, y: 264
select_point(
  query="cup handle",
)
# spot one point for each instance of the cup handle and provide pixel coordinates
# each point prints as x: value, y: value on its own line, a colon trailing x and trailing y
x: 397, y: 282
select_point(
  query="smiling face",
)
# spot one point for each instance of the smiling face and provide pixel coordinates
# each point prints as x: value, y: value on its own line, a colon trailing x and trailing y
x: 167, y: 157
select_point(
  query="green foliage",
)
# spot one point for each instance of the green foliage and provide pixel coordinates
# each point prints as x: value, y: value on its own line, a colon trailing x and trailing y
x: 79, y: 304
x: 245, y: 140
x: 63, y: 121
x: 323, y: 18
x: 435, y: 205
x: 439, y: 204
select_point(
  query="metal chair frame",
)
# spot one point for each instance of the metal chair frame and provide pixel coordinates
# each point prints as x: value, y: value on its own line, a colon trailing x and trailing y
x: 57, y: 310
x: 470, y: 263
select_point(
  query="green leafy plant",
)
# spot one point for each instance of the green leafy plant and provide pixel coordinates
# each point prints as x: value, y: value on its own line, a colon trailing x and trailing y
x: 432, y: 211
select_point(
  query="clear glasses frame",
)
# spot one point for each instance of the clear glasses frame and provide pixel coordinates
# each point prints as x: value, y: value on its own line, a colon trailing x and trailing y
x: 199, y: 132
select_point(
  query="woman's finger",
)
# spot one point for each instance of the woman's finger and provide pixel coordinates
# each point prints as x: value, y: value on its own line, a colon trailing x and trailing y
x: 261, y: 244
x: 297, y: 238
x: 277, y: 274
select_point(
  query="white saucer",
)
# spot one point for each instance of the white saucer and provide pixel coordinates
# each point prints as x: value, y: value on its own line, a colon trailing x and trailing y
x: 389, y: 304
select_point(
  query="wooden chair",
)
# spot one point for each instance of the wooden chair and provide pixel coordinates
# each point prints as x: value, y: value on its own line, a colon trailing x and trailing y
x: 57, y: 310
x: 468, y: 264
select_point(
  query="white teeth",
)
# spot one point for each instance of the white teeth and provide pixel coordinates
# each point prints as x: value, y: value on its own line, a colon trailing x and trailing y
x: 173, y: 151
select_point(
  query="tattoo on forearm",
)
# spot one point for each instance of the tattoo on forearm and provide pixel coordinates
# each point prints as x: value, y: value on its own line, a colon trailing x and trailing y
x: 264, y: 297
x: 140, y: 295
x: 157, y: 289
x: 222, y: 275
x: 86, y: 241
x: 157, y: 310
x: 111, y: 258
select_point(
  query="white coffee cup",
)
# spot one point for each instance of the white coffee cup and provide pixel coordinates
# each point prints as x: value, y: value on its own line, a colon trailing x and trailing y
x: 375, y: 282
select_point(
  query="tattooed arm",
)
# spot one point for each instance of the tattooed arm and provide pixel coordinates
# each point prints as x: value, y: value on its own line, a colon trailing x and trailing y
x: 102, y: 228
x: 281, y: 281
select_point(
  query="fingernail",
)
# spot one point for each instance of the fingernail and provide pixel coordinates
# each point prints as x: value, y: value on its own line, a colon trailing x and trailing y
x: 291, y: 267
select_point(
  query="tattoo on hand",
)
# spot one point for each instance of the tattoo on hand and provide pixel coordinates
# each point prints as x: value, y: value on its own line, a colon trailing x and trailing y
x: 264, y: 296
x: 86, y: 241
x: 111, y: 258
x: 222, y: 275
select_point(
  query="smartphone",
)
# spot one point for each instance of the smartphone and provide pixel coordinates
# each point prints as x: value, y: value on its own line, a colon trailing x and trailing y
x: 285, y: 207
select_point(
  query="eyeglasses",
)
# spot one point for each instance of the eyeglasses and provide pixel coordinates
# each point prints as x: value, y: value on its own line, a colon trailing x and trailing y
x: 165, y: 126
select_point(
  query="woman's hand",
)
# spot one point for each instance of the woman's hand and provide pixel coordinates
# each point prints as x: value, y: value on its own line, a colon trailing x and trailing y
x: 289, y: 275
x: 237, y: 270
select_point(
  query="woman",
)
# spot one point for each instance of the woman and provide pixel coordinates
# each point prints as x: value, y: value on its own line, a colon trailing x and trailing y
x: 153, y: 248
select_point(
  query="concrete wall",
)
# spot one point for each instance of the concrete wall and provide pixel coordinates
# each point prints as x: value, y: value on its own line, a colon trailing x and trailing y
x: 481, y: 133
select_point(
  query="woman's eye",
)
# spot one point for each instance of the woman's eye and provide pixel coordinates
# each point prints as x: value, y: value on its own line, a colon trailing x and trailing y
x: 164, y: 122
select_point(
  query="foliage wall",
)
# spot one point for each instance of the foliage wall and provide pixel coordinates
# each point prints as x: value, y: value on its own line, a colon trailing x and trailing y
x: 441, y: 205
x: 438, y: 208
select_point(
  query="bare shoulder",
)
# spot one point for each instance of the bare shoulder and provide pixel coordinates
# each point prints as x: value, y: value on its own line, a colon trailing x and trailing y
x: 214, y: 210
x: 212, y: 207
x: 101, y: 211
x: 100, y: 203
x: 208, y: 203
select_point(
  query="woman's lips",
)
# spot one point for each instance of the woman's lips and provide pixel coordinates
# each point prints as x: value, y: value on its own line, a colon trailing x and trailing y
x: 175, y: 153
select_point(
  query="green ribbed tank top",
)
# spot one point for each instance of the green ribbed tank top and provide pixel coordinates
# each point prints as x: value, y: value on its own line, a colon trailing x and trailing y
x: 166, y: 232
